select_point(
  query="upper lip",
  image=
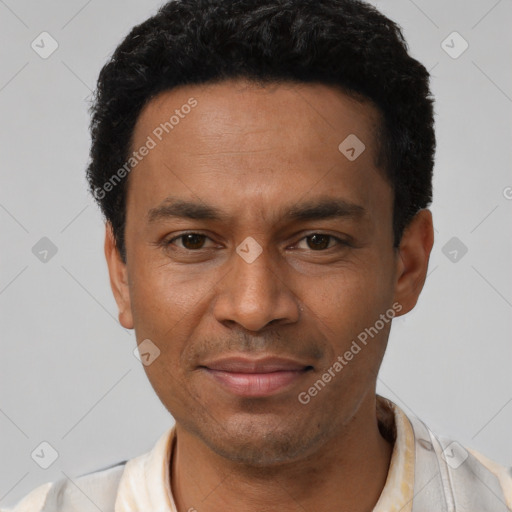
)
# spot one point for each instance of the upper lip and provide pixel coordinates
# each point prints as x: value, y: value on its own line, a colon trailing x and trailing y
x: 251, y: 365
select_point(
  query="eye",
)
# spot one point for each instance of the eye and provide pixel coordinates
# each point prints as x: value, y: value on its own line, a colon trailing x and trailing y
x: 316, y: 241
x: 320, y: 241
x: 190, y: 241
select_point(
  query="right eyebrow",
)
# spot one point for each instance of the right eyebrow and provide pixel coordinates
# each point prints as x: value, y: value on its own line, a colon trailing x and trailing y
x: 179, y: 208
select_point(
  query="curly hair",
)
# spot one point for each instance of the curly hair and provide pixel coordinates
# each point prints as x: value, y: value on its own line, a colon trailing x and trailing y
x: 344, y: 43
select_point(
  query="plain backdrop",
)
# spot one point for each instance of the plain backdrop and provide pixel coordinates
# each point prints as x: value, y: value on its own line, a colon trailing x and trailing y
x: 68, y: 375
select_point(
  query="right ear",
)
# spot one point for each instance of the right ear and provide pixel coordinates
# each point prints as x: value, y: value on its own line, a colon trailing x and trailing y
x: 118, y: 278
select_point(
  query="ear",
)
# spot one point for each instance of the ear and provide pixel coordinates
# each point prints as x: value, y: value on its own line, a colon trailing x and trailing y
x: 118, y: 278
x: 412, y: 259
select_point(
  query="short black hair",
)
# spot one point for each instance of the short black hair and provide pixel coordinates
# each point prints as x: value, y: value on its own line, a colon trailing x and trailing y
x: 343, y: 43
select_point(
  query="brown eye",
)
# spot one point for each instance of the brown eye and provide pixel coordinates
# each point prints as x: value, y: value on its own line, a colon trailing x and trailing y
x: 318, y: 241
x: 190, y: 241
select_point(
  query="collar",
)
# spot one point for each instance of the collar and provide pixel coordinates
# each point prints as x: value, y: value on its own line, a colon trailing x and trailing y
x: 398, y: 490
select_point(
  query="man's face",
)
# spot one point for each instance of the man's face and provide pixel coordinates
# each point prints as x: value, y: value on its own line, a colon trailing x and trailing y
x: 261, y: 158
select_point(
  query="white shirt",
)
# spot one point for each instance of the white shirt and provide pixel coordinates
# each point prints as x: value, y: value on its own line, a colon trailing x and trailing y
x: 426, y: 474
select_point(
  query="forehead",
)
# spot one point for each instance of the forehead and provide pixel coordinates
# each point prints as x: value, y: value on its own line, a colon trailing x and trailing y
x: 238, y: 105
x: 240, y: 142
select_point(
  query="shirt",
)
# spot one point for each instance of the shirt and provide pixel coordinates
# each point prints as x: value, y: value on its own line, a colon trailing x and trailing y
x: 143, y: 483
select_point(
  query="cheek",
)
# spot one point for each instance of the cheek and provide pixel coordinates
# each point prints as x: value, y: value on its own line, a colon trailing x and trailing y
x: 168, y: 306
x: 166, y: 310
x: 359, y: 285
x: 353, y: 300
x: 162, y: 296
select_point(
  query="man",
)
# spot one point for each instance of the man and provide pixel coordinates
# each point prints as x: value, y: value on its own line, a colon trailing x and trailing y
x: 264, y: 169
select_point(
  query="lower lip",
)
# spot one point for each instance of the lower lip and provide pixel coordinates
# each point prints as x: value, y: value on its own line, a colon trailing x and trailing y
x: 256, y: 384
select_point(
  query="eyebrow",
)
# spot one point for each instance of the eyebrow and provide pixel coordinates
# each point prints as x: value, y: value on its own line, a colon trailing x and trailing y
x: 317, y: 209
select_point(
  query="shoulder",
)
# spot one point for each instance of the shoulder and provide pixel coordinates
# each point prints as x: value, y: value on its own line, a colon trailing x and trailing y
x: 33, y: 501
x: 502, y: 473
x: 90, y: 492
x: 459, y: 474
x: 99, y: 490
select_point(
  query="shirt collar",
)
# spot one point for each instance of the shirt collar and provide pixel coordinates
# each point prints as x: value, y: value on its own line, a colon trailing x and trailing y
x: 398, y: 490
x: 145, y: 484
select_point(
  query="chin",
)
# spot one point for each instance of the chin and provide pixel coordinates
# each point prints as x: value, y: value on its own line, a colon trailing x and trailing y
x: 262, y: 443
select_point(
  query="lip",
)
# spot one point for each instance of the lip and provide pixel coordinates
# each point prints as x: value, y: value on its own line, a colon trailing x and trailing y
x: 256, y: 377
x: 238, y: 364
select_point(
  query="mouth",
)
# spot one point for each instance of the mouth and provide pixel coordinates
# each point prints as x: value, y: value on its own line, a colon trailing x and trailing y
x: 256, y: 377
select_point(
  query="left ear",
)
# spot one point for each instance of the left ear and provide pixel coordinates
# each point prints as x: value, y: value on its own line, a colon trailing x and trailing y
x: 412, y: 259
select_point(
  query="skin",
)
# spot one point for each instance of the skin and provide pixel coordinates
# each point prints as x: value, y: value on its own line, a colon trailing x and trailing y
x: 252, y: 152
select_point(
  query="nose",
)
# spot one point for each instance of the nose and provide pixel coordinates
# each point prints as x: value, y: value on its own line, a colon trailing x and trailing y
x: 256, y: 293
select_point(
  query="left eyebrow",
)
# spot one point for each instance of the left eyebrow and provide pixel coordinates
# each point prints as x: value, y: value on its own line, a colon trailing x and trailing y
x: 318, y: 209
x: 325, y: 208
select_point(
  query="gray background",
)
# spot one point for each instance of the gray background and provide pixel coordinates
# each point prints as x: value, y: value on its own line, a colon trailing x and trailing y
x: 67, y: 370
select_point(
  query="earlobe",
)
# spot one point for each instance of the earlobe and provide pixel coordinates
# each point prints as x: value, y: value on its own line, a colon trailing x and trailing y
x: 118, y: 278
x: 412, y: 259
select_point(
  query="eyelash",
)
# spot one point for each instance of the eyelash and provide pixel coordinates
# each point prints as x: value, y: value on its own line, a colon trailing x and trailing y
x: 339, y: 241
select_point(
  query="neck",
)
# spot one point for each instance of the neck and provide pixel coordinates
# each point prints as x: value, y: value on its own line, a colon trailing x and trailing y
x: 347, y: 473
